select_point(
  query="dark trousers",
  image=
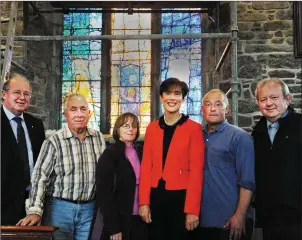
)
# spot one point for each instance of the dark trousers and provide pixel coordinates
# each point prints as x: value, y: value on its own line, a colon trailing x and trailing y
x: 282, y: 232
x: 167, y: 214
x: 222, y: 234
x: 10, y: 215
x: 137, y: 230
x: 281, y: 222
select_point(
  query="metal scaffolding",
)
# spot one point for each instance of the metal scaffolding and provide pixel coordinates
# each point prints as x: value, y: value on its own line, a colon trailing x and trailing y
x: 234, y: 86
x: 232, y: 43
x: 129, y: 11
x: 121, y: 37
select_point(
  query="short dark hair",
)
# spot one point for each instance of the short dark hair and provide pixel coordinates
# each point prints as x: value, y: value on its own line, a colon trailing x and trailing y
x: 171, y: 83
x: 121, y: 120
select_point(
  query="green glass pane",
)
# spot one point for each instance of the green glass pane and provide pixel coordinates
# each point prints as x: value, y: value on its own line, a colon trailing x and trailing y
x: 81, y: 70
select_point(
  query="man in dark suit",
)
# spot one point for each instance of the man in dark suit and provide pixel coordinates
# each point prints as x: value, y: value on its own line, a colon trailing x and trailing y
x: 277, y: 141
x: 22, y: 137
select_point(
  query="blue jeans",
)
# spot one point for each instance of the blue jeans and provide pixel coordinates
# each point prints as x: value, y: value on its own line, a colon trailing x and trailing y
x: 73, y: 220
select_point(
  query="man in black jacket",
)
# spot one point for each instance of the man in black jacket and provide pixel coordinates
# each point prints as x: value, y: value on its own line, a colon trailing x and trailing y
x: 277, y: 142
x: 22, y: 136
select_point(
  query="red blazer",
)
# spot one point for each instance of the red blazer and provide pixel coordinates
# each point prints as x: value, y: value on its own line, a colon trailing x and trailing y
x: 184, y: 163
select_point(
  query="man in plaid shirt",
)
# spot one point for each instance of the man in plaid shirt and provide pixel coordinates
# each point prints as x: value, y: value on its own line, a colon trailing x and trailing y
x: 63, y: 181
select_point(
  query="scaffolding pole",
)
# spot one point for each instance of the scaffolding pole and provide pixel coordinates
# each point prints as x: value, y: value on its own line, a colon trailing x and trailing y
x: 15, y: 64
x: 129, y: 11
x: 217, y: 42
x: 8, y: 54
x: 120, y: 37
x: 234, y: 86
x: 223, y: 56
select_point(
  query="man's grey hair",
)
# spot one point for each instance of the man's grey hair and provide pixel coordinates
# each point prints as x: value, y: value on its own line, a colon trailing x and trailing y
x: 262, y: 83
x: 216, y: 90
x: 11, y: 76
x: 78, y: 96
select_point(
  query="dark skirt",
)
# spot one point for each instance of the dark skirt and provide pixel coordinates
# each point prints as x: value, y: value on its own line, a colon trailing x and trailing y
x: 137, y: 230
x: 167, y: 214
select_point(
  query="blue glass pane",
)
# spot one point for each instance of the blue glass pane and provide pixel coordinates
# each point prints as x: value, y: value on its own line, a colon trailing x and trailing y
x: 181, y: 58
x: 82, y: 61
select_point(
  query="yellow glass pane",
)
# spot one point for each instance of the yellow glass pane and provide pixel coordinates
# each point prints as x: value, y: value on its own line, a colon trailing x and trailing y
x: 131, y: 67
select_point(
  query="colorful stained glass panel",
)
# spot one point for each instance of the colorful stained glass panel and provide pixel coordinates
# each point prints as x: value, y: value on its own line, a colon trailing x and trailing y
x: 181, y: 58
x: 94, y: 87
x: 82, y: 62
x: 131, y: 67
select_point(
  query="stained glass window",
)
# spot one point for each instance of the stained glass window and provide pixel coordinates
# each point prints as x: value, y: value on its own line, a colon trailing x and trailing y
x: 181, y: 58
x: 131, y: 62
x: 82, y: 61
x: 131, y: 68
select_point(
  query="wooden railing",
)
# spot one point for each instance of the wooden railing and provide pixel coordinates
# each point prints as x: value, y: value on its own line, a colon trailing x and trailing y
x: 27, y: 232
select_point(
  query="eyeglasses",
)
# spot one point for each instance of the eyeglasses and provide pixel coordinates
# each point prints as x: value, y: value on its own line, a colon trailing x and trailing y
x: 218, y: 105
x: 128, y: 126
x: 19, y: 94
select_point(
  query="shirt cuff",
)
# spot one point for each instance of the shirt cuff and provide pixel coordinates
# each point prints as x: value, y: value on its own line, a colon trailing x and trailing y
x: 247, y: 185
x: 35, y: 210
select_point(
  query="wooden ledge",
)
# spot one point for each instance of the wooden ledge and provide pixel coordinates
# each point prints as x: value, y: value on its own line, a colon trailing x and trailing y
x: 28, y: 228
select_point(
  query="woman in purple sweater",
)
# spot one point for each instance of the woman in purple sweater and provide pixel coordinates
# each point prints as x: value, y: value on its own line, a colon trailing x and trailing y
x: 117, y: 183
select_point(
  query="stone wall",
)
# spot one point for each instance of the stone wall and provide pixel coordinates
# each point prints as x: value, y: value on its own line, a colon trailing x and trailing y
x: 18, y: 54
x: 265, y: 49
x: 42, y: 59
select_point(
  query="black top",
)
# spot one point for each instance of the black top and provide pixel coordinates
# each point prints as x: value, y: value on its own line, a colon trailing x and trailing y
x: 278, y: 171
x: 168, y: 134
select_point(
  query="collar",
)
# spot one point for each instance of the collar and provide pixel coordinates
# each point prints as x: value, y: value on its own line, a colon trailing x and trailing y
x: 182, y: 120
x: 120, y: 143
x: 276, y: 123
x: 272, y: 125
x: 68, y: 134
x: 10, y: 115
x: 262, y: 124
x: 121, y: 146
x: 219, y: 128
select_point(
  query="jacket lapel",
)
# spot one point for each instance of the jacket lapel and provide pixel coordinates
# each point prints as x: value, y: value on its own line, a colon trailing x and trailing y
x: 262, y: 131
x: 30, y: 127
x: 139, y: 152
x: 158, y: 144
x: 7, y: 131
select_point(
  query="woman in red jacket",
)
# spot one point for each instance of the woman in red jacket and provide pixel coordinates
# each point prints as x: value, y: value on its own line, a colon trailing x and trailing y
x: 171, y: 170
